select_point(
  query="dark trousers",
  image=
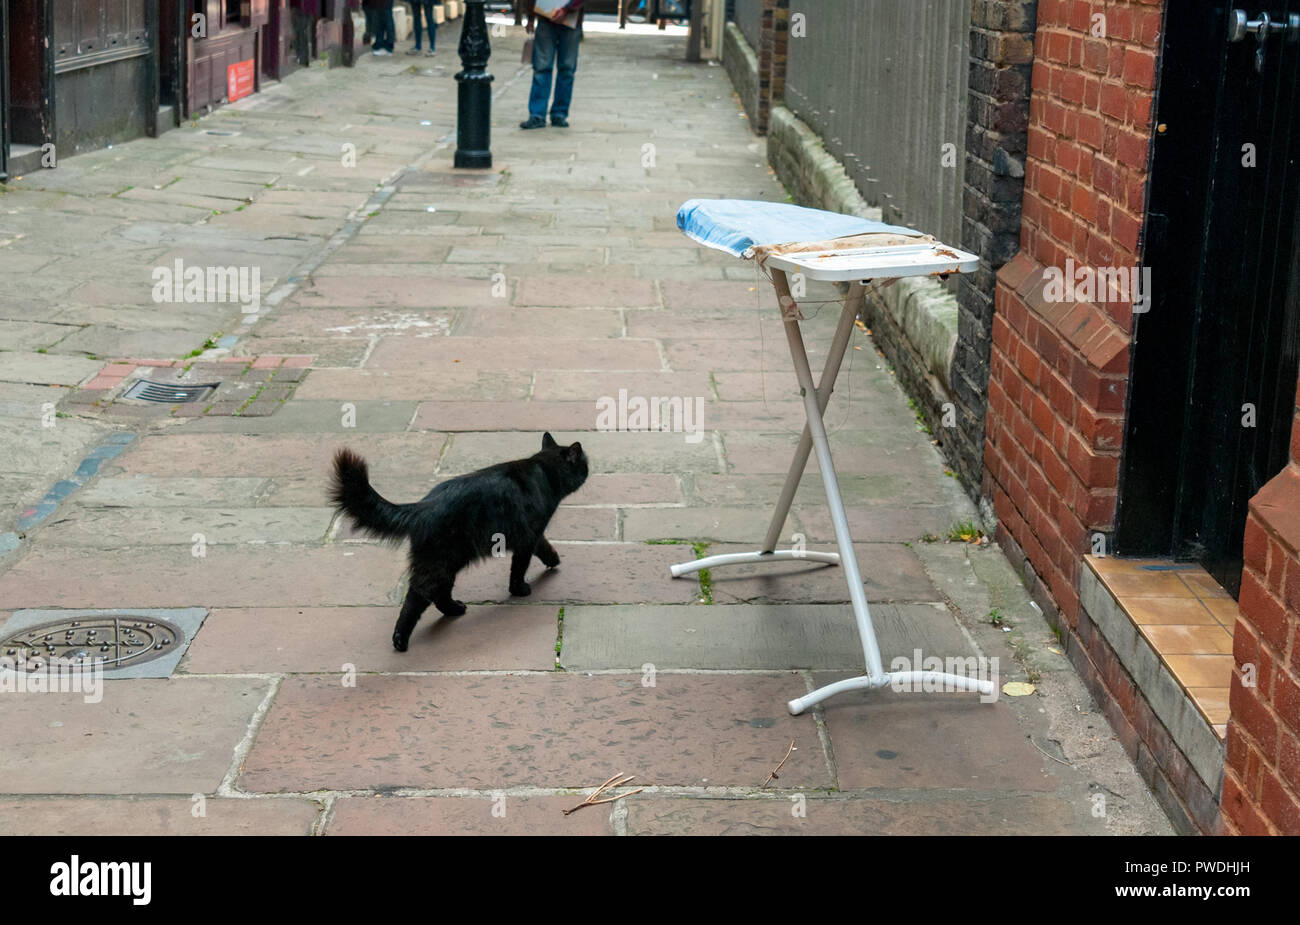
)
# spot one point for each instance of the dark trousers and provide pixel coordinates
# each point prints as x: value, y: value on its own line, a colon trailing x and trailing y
x: 370, y: 22
x: 385, y: 29
x: 417, y: 6
x: 555, y: 53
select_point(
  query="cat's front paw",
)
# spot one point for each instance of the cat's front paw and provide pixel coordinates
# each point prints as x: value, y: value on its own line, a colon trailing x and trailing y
x: 453, y: 609
x: 521, y: 589
x: 399, y: 642
x: 550, y: 561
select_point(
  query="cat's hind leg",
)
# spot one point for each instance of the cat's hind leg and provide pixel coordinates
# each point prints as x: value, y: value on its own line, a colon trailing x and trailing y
x: 518, y: 567
x: 547, y: 554
x: 414, y: 605
x: 443, y: 600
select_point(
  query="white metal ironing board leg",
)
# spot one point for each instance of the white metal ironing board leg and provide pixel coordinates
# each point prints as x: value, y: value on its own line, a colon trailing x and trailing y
x: 814, y: 437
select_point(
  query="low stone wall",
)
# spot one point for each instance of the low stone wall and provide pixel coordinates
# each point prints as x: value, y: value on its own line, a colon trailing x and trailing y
x: 741, y: 64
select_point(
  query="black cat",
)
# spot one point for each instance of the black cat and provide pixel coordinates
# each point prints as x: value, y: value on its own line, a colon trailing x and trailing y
x: 464, y: 519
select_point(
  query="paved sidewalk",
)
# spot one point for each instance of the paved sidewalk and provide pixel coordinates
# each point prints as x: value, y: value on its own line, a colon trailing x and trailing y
x: 438, y: 320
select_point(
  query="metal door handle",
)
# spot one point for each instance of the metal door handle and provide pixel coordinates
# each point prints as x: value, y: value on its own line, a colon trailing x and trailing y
x: 1240, y: 25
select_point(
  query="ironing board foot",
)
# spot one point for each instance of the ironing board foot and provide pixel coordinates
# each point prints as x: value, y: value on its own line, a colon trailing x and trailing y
x: 735, y: 558
x: 926, y: 680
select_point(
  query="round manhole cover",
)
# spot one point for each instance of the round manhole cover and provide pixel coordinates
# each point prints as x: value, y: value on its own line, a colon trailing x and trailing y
x: 119, y: 641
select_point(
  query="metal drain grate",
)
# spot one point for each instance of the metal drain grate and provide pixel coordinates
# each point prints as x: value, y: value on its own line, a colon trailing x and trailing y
x: 148, y: 390
x: 117, y: 641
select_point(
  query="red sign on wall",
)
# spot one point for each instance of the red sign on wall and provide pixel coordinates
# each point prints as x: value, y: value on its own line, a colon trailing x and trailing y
x: 239, y: 80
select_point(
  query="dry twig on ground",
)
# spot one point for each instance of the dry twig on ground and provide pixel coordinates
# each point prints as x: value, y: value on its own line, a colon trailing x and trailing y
x: 618, y: 780
x: 774, y: 775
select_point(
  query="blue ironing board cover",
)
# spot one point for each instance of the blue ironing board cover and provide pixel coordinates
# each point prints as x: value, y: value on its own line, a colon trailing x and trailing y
x: 737, y: 225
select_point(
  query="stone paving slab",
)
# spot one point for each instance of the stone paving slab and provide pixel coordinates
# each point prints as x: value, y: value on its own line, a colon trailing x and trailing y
x: 1030, y: 814
x: 607, y: 488
x: 588, y: 573
x: 46, y: 368
x: 350, y: 322
x: 158, y: 736
x: 170, y: 576
x: 508, y: 637
x: 555, y: 730
x: 29, y: 336
x: 570, y: 385
x: 423, y: 384
x: 541, y: 323
x: 139, y: 492
x: 606, y: 292
x: 750, y: 635
x: 404, y: 458
x: 606, y: 452
x: 501, y: 815
x: 884, y: 524
x: 88, y: 527
x: 148, y: 815
x: 374, y: 292
x: 855, y: 452
x: 512, y: 353
x: 498, y: 416
x: 709, y: 524
x: 945, y: 741
x: 889, y: 573
x: 307, y: 417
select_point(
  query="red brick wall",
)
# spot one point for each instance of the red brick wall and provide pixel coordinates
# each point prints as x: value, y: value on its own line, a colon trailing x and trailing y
x: 1059, y: 370
x: 1261, y: 784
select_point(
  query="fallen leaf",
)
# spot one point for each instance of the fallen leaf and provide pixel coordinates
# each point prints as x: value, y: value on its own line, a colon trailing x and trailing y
x: 1018, y: 689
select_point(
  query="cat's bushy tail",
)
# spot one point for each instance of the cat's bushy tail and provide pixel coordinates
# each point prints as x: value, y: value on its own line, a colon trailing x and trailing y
x: 351, y: 493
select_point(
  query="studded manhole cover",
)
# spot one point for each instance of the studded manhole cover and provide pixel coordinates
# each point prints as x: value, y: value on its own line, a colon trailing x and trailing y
x: 145, y: 643
x: 115, y: 640
x: 169, y: 392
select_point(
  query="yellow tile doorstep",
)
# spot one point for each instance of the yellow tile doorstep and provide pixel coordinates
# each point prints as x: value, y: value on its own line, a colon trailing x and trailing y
x: 1183, y: 611
x: 1213, y: 704
x: 1201, y: 670
x: 1188, y: 640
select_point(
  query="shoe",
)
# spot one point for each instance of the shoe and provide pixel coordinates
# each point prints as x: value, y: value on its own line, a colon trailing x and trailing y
x: 413, y: 51
x: 559, y: 121
x: 429, y: 53
x: 381, y: 53
x: 533, y: 122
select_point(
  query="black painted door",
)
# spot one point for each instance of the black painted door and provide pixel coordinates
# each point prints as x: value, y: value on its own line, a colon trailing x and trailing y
x: 4, y: 91
x: 1216, y: 357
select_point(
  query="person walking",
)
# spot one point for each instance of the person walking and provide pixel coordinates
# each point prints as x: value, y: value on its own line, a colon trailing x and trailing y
x: 557, y: 25
x: 425, y: 7
x: 385, y: 30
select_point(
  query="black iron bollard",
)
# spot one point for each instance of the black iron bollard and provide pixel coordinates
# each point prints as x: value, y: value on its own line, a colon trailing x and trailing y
x: 474, y: 96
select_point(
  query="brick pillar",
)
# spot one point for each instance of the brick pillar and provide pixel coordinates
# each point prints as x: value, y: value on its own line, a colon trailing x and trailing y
x: 1058, y: 367
x: 1261, y: 782
x: 773, y: 43
x: 1001, y: 65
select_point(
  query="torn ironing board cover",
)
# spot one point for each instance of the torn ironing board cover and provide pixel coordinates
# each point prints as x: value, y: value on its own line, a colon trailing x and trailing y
x: 755, y: 229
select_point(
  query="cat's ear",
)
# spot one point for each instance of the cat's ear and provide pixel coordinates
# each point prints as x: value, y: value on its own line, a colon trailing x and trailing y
x: 573, y: 452
x: 548, y: 442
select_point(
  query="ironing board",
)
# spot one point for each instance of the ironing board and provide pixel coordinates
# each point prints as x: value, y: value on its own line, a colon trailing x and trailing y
x: 830, y: 246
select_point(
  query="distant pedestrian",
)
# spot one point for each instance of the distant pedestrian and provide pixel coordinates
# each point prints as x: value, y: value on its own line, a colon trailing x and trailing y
x: 385, y: 30
x: 555, y: 51
x: 425, y: 7
x: 368, y: 10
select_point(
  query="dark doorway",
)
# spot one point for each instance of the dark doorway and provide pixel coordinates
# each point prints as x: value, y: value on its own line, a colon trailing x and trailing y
x: 1216, y: 357
x: 173, y: 29
x: 31, y: 73
x: 4, y: 92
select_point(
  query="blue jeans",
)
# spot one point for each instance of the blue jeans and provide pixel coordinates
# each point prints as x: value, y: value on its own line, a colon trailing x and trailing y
x: 555, y: 47
x: 385, y: 30
x: 427, y: 7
